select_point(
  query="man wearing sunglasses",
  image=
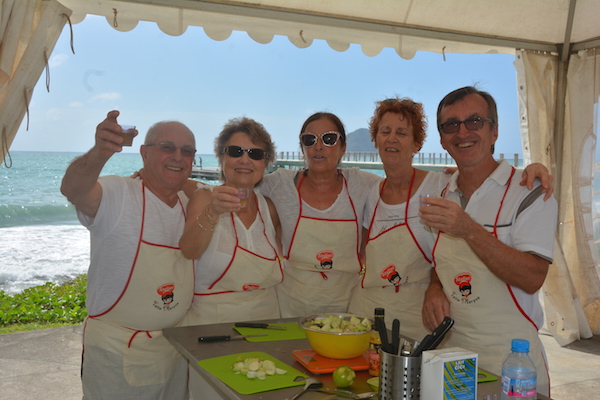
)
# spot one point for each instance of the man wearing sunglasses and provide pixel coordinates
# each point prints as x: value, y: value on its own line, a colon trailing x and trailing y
x: 492, y: 233
x: 138, y: 280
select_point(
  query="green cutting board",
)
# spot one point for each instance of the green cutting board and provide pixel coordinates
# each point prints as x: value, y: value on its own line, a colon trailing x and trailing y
x: 292, y: 331
x: 221, y: 367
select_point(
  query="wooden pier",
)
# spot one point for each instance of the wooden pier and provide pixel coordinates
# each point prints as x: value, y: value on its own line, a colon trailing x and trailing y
x: 362, y: 160
x: 206, y: 173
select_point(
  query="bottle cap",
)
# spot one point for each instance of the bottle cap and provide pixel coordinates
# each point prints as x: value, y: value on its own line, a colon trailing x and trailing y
x: 520, y: 345
x: 379, y: 311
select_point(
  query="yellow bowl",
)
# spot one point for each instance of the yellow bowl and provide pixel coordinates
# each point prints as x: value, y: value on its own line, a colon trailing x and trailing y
x: 338, y: 345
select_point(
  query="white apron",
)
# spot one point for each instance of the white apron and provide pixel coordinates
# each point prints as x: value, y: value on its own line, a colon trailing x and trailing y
x: 487, y: 314
x: 322, y: 264
x: 396, y: 275
x: 157, y: 295
x: 244, y: 291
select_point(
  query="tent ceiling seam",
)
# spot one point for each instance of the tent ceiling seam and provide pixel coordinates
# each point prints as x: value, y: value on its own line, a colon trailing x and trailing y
x: 568, y: 30
x: 299, y: 16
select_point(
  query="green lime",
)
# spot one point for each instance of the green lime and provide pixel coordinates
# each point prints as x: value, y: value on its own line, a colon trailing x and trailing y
x: 344, y: 376
x: 373, y: 383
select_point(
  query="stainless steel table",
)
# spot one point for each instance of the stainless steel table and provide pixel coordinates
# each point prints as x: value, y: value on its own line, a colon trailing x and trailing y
x: 185, y: 339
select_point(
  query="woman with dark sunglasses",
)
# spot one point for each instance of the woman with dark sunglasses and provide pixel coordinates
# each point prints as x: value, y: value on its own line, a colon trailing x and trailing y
x: 234, y: 240
x: 321, y: 211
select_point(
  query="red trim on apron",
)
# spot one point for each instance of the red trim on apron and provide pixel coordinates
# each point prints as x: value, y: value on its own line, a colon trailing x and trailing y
x: 236, y: 247
x: 495, y: 233
x: 405, y: 223
x: 137, y: 252
x: 292, y: 241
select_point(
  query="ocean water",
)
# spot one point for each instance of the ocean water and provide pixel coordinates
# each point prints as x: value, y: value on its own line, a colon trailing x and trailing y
x: 42, y: 240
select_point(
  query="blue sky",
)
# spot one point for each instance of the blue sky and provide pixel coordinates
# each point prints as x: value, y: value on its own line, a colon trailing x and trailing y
x: 150, y: 76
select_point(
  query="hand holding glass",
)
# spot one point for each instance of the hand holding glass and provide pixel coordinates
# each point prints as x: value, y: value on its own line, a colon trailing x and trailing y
x: 425, y: 196
x: 243, y: 194
x: 127, y: 133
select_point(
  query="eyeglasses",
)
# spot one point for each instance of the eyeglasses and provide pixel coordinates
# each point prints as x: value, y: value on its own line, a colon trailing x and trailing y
x: 170, y: 148
x: 472, y: 124
x: 329, y: 139
x: 237, y: 152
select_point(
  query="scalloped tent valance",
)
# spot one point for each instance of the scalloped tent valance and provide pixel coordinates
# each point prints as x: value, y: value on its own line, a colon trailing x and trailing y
x: 457, y: 26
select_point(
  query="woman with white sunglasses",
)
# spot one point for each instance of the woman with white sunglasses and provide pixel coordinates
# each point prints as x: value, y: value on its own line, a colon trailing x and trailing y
x: 321, y: 212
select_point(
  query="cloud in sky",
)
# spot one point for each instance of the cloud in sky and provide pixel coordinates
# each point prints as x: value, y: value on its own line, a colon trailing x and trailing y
x: 58, y: 60
x: 108, y: 96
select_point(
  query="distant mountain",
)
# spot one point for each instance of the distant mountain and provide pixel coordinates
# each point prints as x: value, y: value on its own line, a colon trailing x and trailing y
x: 359, y: 141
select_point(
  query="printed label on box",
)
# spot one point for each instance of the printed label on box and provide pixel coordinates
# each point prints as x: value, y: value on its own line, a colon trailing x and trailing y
x: 460, y: 379
x: 449, y: 374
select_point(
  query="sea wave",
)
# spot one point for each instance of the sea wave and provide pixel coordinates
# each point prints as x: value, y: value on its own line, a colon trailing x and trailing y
x: 14, y: 215
x: 34, y: 255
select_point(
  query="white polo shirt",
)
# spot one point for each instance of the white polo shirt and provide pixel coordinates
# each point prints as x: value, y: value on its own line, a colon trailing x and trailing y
x: 530, y: 230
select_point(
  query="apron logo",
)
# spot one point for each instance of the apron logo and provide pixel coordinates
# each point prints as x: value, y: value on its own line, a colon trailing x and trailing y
x: 463, y: 281
x: 326, y: 259
x: 251, y: 286
x: 166, y: 294
x: 391, y: 275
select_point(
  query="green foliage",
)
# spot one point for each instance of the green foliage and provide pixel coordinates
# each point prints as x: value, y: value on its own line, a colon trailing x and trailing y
x: 46, y: 304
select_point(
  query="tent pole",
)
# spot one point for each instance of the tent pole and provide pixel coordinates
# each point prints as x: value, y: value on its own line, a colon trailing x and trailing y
x: 559, y: 123
x: 564, y: 51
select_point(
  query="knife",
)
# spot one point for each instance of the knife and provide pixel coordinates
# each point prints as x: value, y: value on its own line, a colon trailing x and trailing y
x: 225, y: 338
x: 382, y: 329
x: 445, y: 327
x: 431, y: 341
x: 258, y: 325
x: 395, y: 346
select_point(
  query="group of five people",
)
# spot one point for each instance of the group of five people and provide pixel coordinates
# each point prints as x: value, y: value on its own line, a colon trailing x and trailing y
x: 322, y: 239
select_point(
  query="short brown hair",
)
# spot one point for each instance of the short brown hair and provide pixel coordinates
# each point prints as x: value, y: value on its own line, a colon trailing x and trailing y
x: 255, y: 131
x: 411, y: 110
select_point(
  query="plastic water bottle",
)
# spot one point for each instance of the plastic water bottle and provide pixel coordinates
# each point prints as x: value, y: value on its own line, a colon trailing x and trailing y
x: 519, y: 377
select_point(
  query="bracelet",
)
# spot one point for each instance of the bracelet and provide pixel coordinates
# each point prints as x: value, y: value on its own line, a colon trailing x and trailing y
x: 201, y: 226
x: 210, y: 219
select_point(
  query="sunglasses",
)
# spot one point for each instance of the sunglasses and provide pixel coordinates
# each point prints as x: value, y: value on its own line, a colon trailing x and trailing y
x: 170, y: 148
x: 329, y: 139
x: 237, y: 151
x: 472, y: 124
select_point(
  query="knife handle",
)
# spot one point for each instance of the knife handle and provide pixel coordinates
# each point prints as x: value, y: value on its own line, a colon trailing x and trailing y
x: 250, y: 325
x: 221, y: 338
x: 395, y: 336
x: 424, y: 345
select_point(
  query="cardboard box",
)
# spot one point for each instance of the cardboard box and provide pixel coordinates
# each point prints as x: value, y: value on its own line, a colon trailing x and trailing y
x: 449, y: 374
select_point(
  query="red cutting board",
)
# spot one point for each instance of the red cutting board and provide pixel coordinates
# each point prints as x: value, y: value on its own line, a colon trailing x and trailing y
x: 221, y: 367
x: 317, y: 364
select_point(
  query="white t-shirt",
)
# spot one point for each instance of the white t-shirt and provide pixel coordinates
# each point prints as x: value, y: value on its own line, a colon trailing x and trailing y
x: 218, y: 254
x: 280, y: 187
x: 531, y: 231
x: 390, y: 215
x: 115, y: 232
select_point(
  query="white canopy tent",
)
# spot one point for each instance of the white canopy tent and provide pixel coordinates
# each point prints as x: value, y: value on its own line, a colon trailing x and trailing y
x: 556, y: 43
